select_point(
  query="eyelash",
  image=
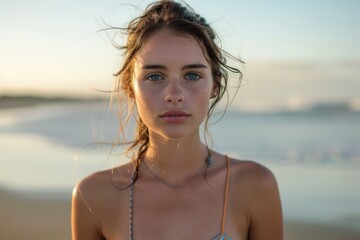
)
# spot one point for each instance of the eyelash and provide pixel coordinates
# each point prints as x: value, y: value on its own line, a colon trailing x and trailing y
x: 153, y: 75
x: 159, y: 77
x: 194, y: 74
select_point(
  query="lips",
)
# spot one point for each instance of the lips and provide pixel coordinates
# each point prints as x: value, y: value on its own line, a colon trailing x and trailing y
x: 175, y: 116
x: 175, y: 113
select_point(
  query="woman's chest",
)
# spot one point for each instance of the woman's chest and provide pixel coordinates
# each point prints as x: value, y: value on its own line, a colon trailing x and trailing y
x: 174, y: 215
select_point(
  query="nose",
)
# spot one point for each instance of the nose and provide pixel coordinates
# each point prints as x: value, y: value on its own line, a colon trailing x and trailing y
x: 174, y: 94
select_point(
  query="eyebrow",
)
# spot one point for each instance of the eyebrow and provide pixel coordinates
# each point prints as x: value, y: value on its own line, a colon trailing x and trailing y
x: 196, y: 65
x: 153, y: 66
x: 156, y: 66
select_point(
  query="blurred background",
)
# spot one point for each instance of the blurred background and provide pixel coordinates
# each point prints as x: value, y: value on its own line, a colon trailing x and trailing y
x: 297, y: 112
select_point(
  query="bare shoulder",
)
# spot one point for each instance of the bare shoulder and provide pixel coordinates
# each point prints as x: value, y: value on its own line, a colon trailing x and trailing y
x: 91, y: 190
x: 251, y: 173
x: 98, y: 201
x: 253, y: 183
x: 255, y: 189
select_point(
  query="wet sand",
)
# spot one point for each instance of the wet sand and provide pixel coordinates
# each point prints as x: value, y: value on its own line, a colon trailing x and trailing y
x: 44, y: 216
x: 30, y: 216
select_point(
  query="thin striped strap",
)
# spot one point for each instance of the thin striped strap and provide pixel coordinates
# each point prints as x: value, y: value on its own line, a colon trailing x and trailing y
x: 226, y: 195
x: 131, y: 208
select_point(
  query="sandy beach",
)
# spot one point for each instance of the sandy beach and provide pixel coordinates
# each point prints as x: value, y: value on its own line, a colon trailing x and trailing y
x: 34, y: 216
x: 44, y: 216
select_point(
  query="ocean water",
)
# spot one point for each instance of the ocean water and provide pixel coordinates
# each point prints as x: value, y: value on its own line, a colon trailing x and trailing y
x: 315, y: 155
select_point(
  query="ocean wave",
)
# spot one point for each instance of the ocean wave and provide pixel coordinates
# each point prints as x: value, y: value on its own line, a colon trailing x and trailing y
x: 318, y: 107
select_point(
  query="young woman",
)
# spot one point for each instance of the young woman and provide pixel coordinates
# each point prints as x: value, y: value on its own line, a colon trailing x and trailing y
x: 176, y: 187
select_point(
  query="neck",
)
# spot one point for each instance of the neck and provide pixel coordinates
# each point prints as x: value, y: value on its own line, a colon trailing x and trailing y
x: 176, y: 158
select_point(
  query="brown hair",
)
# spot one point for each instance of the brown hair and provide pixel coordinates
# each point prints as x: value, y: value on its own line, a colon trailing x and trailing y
x: 180, y: 18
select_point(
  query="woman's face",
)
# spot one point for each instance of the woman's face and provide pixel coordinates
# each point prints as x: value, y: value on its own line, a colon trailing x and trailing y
x: 172, y: 84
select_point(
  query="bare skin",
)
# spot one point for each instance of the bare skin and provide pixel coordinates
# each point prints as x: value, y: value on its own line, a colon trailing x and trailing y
x: 191, y: 212
x: 173, y: 200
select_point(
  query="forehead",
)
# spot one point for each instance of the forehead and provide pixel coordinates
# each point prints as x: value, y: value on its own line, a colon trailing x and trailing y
x: 169, y: 47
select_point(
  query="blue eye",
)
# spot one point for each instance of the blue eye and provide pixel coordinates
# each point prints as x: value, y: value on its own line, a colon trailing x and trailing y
x: 192, y: 76
x: 154, y: 77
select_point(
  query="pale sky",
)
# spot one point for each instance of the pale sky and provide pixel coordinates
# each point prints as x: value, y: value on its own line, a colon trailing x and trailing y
x: 296, y: 52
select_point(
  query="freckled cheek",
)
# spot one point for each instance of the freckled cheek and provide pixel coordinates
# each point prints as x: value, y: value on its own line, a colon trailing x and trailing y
x: 146, y: 101
x: 200, y: 100
x: 147, y: 106
x: 201, y: 94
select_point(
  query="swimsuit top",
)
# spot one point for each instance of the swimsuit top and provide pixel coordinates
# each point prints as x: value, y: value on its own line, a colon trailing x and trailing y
x: 221, y: 236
